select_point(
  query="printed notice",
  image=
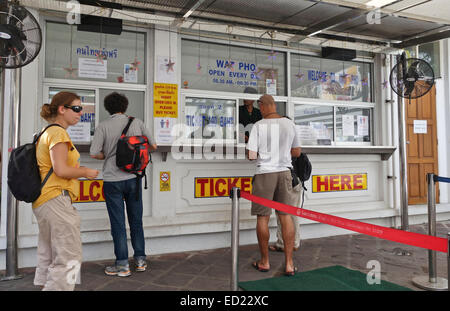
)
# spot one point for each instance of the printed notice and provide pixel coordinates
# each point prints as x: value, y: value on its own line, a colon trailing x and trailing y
x: 80, y: 132
x: 348, y: 126
x: 92, y: 68
x: 420, y: 126
x: 163, y: 130
x: 271, y: 86
x: 130, y: 73
x: 363, y: 125
x: 165, y: 100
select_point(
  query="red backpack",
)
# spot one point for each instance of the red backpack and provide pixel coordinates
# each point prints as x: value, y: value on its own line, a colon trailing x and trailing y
x: 133, y: 153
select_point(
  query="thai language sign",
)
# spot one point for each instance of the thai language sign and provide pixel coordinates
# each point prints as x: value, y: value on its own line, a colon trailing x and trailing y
x: 165, y: 100
x: 339, y: 182
x: 210, y: 187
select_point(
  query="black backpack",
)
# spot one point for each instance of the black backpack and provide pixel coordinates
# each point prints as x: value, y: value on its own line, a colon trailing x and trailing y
x: 302, y: 167
x: 24, y: 179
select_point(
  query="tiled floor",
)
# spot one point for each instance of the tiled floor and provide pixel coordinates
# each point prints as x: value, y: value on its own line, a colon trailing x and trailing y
x: 210, y: 270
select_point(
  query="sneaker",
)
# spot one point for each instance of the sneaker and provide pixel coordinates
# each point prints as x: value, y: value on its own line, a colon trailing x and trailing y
x: 118, y: 270
x: 141, y: 265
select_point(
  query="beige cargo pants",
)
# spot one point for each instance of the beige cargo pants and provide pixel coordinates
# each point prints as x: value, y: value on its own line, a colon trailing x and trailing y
x: 59, y: 252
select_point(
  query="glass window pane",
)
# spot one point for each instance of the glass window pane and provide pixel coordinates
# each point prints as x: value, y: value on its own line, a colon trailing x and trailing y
x: 281, y: 110
x: 352, y: 124
x: 82, y: 132
x: 135, y: 103
x: 313, y: 77
x: 210, y: 118
x: 218, y: 67
x: 62, y: 54
x: 411, y: 52
x: 429, y: 52
x: 314, y: 124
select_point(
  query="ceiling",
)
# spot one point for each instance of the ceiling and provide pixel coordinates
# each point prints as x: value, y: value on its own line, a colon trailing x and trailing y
x: 350, y: 24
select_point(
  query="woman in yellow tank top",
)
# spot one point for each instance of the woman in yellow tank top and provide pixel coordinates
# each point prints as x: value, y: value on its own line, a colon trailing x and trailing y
x: 59, y: 245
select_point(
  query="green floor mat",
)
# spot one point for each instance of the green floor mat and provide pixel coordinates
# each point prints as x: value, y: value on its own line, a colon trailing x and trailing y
x: 335, y: 278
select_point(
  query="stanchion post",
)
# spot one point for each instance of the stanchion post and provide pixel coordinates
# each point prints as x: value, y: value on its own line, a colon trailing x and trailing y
x: 235, y: 195
x: 432, y: 282
x: 448, y: 260
x: 431, y: 225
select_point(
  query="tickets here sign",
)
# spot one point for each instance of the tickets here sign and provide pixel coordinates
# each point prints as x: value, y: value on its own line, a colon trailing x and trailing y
x: 211, y: 187
x: 339, y: 182
x: 90, y: 191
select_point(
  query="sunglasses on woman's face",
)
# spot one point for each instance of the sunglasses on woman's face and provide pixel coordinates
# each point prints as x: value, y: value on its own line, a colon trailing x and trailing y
x: 75, y: 108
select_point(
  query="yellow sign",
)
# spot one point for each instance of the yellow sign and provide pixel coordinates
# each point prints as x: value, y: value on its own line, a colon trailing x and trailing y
x: 164, y: 181
x: 342, y: 182
x: 90, y: 191
x: 207, y: 187
x: 165, y: 100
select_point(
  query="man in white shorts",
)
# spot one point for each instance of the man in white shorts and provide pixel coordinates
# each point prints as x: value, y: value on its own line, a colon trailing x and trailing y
x: 272, y: 143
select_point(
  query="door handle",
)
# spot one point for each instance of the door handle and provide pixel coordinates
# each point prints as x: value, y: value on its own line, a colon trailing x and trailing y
x: 407, y: 142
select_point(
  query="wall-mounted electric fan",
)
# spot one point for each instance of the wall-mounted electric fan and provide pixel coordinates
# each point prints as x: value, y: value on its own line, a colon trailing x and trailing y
x: 20, y: 37
x: 411, y: 77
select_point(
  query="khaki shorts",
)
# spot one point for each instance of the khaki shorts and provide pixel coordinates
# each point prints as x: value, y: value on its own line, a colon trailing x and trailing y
x: 276, y: 187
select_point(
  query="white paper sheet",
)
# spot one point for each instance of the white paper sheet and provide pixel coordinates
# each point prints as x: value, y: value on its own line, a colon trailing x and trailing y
x: 348, y: 125
x: 91, y: 68
x: 420, y: 126
x: 80, y: 132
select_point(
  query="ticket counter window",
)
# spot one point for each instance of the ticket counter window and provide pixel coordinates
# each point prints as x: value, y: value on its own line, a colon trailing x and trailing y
x: 210, y: 118
x: 136, y: 100
x: 82, y: 132
x: 315, y: 124
x: 82, y: 55
x: 281, y: 110
x: 353, y: 124
x: 325, y: 79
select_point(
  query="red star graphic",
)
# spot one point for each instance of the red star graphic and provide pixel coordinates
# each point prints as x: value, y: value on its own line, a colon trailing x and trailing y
x: 170, y: 65
x: 70, y: 71
x: 229, y: 65
x: 135, y: 64
x: 299, y: 76
x: 100, y: 57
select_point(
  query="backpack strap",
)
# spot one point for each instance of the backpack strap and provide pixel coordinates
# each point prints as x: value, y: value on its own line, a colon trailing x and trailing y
x: 125, y: 130
x: 35, y: 141
x: 47, y: 177
x: 38, y: 136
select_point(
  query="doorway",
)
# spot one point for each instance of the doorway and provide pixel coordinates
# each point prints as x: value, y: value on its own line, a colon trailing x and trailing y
x: 421, y: 142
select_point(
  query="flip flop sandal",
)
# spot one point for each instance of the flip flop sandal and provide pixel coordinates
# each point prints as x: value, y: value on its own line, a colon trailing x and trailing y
x: 291, y: 273
x: 257, y: 267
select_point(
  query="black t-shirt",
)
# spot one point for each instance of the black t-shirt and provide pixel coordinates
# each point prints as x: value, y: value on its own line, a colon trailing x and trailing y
x: 246, y: 118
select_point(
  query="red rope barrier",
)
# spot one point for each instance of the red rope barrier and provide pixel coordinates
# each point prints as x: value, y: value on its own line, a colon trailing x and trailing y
x: 395, y: 235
